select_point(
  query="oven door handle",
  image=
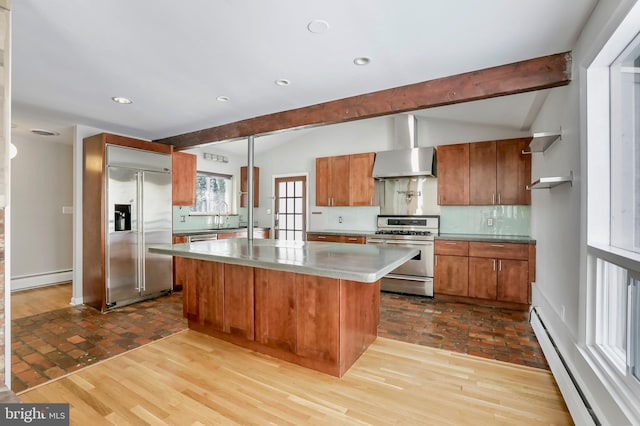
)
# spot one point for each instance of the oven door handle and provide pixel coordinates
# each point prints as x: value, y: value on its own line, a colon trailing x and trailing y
x: 375, y: 241
x: 408, y: 277
x: 413, y: 242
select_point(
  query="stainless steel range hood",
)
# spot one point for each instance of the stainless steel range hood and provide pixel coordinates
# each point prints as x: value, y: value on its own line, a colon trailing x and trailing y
x: 407, y: 159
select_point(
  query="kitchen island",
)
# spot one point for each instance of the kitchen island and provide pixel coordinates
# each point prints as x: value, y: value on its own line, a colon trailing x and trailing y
x: 314, y: 304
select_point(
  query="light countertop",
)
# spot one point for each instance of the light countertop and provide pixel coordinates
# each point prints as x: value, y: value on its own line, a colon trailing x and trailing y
x: 520, y: 239
x: 356, y: 262
x: 341, y: 232
x: 187, y: 232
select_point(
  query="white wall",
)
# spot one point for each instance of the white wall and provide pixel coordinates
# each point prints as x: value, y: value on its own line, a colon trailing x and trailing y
x: 558, y: 216
x: 376, y: 134
x: 297, y: 157
x: 41, y: 185
x: 433, y: 132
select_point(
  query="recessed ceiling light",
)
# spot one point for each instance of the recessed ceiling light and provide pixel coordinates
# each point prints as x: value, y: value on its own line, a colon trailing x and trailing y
x: 121, y: 100
x: 318, y: 26
x: 283, y: 82
x: 42, y: 132
x: 222, y: 98
x: 362, y: 60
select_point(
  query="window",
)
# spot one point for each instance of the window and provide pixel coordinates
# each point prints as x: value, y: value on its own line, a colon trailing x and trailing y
x: 611, y: 312
x: 613, y: 212
x: 625, y: 148
x: 213, y: 193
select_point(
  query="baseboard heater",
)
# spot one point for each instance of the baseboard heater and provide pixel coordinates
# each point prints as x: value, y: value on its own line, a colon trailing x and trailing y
x: 576, y: 401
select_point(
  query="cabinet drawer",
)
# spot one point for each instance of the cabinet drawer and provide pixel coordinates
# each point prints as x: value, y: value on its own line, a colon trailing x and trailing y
x: 332, y: 238
x: 499, y: 250
x: 324, y: 237
x: 452, y: 248
x: 353, y: 239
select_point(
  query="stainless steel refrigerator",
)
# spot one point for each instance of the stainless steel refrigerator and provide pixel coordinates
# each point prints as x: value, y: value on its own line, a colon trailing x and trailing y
x: 139, y: 214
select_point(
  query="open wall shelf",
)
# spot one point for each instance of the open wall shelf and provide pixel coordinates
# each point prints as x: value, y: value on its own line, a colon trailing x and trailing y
x: 550, y: 182
x: 540, y: 142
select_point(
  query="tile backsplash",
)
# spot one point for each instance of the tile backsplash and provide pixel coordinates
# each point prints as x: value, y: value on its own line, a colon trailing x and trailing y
x: 200, y: 222
x: 485, y: 220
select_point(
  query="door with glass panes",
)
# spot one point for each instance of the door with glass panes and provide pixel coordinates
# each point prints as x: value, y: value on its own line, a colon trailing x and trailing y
x: 290, y: 208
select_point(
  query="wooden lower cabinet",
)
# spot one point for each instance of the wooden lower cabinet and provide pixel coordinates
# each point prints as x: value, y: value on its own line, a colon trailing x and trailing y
x: 203, y: 292
x: 239, y: 301
x: 317, y: 322
x: 317, y: 315
x: 451, y: 275
x: 332, y: 238
x: 275, y: 300
x: 493, y: 272
x: 513, y: 281
x: 483, y: 278
x: 504, y: 280
x: 178, y: 267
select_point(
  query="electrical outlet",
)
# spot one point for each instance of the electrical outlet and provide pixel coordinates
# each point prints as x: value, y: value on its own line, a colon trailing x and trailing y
x: 183, y: 218
x: 490, y: 221
x: 339, y: 219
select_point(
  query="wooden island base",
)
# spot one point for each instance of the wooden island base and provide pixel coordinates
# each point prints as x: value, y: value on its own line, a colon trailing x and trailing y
x: 317, y: 322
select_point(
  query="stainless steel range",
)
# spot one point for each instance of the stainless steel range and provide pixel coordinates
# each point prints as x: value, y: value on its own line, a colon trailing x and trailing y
x: 416, y: 275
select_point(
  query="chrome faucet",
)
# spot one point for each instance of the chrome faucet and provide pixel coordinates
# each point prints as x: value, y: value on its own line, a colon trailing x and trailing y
x: 219, y: 214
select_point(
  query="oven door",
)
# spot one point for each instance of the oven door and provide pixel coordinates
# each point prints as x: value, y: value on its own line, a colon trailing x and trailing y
x: 421, y: 265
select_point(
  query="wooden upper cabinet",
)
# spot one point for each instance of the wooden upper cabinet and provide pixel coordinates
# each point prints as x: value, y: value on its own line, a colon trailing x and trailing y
x: 244, y: 187
x: 453, y: 174
x: 323, y: 182
x: 482, y: 173
x: 513, y: 169
x: 339, y: 169
x: 361, y: 179
x: 183, y: 179
x: 345, y: 180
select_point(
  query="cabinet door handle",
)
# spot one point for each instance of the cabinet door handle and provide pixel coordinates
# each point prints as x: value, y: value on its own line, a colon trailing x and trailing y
x: 493, y: 198
x: 499, y: 265
x: 494, y: 264
x: 497, y: 245
x: 499, y: 198
x: 352, y: 239
x: 436, y: 261
x: 321, y: 237
x: 451, y: 244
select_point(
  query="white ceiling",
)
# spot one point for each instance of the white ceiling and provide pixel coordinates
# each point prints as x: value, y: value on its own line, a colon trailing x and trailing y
x: 174, y: 58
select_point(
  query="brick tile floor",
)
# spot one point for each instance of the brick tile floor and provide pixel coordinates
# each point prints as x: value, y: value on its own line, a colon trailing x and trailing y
x: 493, y: 333
x: 52, y: 344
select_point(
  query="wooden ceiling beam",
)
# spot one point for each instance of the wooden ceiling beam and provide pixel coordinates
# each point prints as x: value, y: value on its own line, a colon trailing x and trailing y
x: 525, y: 76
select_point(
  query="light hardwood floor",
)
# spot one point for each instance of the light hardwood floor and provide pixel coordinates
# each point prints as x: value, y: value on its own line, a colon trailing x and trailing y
x: 38, y: 300
x: 193, y: 379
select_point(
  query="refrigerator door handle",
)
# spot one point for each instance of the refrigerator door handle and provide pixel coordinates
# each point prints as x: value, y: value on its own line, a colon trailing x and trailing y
x: 140, y: 232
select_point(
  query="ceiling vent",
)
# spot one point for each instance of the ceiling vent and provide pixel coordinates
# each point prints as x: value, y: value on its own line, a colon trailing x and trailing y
x: 42, y: 132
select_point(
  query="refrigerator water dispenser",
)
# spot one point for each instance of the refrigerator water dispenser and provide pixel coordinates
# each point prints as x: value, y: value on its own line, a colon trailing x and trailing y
x: 122, y: 219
